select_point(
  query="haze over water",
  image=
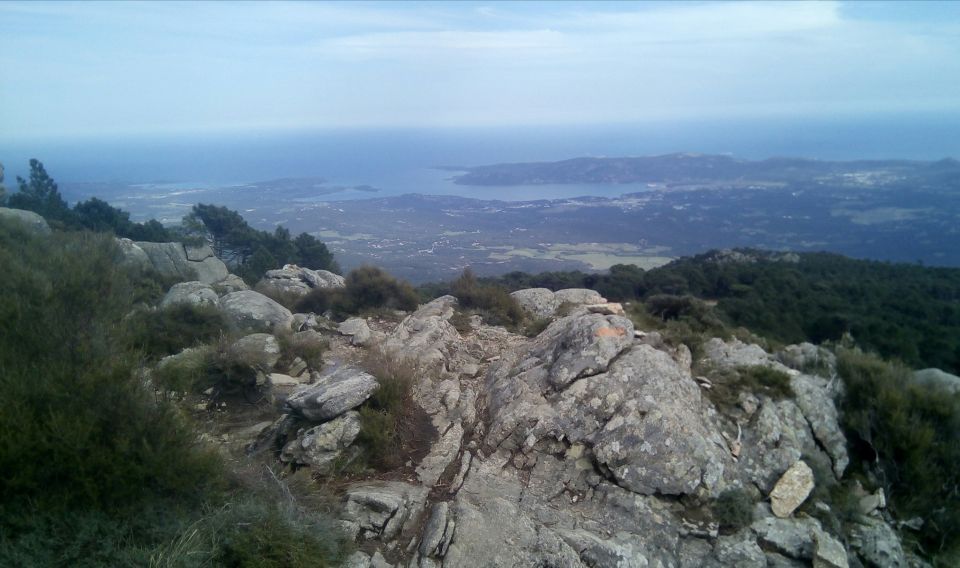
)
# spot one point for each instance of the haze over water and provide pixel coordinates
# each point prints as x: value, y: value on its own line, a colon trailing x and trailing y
x: 399, y: 161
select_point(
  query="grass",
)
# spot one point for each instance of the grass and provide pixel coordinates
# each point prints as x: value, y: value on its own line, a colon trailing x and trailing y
x: 393, y: 427
x: 733, y: 509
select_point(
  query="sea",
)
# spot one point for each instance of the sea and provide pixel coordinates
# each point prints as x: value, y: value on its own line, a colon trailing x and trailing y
x: 400, y: 161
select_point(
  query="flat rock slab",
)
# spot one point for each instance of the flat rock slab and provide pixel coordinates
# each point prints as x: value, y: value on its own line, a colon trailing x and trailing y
x: 334, y: 393
x: 792, y: 489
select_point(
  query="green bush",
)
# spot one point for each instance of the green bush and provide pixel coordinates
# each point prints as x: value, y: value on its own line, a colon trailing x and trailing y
x: 763, y: 379
x: 733, y: 509
x: 305, y: 346
x: 908, y: 437
x: 76, y: 427
x: 165, y: 332
x: 97, y: 470
x: 393, y: 427
x: 367, y: 289
x: 494, y: 303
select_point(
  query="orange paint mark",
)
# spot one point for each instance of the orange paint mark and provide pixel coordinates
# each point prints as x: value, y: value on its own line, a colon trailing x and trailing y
x: 611, y: 332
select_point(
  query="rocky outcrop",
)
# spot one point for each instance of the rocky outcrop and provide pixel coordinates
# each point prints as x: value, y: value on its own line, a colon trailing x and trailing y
x: 28, y: 219
x: 249, y: 310
x: 334, y: 393
x: 544, y: 303
x: 938, y: 379
x: 321, y: 445
x: 174, y: 260
x: 189, y: 293
x: 589, y: 445
x: 426, y: 336
x: 627, y: 409
x: 297, y: 281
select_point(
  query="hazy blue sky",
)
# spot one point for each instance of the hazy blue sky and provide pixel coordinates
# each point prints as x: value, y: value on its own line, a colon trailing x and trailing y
x: 124, y: 67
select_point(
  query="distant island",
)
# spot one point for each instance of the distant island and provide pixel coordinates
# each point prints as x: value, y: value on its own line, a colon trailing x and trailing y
x: 689, y: 168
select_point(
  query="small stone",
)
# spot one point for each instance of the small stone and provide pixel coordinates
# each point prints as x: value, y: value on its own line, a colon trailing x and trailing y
x: 828, y: 552
x: 792, y: 489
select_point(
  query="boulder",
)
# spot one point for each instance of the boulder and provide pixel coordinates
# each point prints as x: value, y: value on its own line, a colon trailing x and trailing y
x: 807, y: 357
x: 937, y: 379
x: 320, y: 446
x: 740, y: 549
x: 357, y: 330
x: 544, y: 303
x: 793, y: 537
x: 189, y: 293
x: 815, y: 400
x: 538, y: 302
x: 170, y: 260
x: 298, y: 281
x: 380, y: 509
x: 232, y: 283
x: 335, y: 392
x: 260, y: 350
x: 254, y: 311
x: 30, y: 220
x: 792, y: 489
x: 828, y: 552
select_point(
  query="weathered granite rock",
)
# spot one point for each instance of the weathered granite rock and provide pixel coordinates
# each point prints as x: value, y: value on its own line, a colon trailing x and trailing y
x: 792, y: 489
x: 877, y: 543
x: 735, y: 353
x: 254, y: 311
x: 381, y: 509
x: 543, y: 303
x: 740, y: 549
x: 828, y: 552
x: 232, y: 283
x: 426, y: 336
x: 171, y: 260
x: 807, y: 357
x: 937, y: 379
x: 32, y: 221
x: 189, y: 293
x: 260, y: 350
x: 793, y: 537
x: 584, y: 382
x: 334, y: 393
x: 320, y: 446
x: 816, y: 403
x: 293, y: 279
x: 357, y: 330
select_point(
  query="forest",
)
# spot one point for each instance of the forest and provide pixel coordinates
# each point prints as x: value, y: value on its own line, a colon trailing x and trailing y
x: 907, y: 312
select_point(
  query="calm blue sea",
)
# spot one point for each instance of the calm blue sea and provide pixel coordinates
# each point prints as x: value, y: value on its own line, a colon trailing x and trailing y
x: 399, y: 161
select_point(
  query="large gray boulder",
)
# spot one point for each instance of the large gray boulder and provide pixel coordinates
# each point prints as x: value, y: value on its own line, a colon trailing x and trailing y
x: 174, y: 260
x: 937, y: 379
x: 295, y: 280
x: 544, y: 303
x: 629, y: 409
x: 334, y: 393
x: 32, y: 221
x: 258, y: 350
x: 189, y: 293
x: 255, y: 312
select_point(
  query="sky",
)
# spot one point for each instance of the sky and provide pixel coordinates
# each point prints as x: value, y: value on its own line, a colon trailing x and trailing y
x: 81, y: 69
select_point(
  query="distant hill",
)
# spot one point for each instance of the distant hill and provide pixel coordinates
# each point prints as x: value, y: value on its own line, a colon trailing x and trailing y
x: 686, y: 168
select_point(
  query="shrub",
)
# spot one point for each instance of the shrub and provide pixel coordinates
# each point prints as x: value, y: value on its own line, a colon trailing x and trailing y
x: 733, y: 509
x: 77, y: 429
x: 536, y: 326
x: 908, y: 436
x: 367, y: 289
x: 494, y: 303
x: 393, y: 427
x: 763, y: 379
x: 165, y: 332
x: 306, y: 346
